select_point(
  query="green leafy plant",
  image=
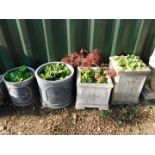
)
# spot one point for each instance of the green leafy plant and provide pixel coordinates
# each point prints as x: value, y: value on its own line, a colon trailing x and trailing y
x: 93, y: 76
x: 130, y: 62
x: 105, y: 113
x: 55, y: 72
x: 18, y: 75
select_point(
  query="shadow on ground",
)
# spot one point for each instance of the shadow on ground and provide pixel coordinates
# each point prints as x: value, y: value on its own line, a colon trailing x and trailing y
x: 10, y: 110
x: 126, y: 114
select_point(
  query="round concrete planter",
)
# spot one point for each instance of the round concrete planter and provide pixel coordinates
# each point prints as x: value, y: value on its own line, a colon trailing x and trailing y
x: 55, y: 94
x: 23, y: 93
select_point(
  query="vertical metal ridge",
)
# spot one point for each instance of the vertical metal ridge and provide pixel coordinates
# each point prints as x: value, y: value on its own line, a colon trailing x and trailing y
x: 115, y: 36
x: 46, y: 42
x: 91, y: 41
x: 138, y: 36
x: 5, y: 55
x: 104, y: 30
x: 7, y: 43
x: 68, y: 36
x: 153, y: 45
x: 48, y: 39
x: 24, y: 37
x: 15, y: 39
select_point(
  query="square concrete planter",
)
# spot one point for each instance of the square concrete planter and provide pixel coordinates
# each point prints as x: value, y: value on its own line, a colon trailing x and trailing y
x: 127, y: 84
x: 93, y: 95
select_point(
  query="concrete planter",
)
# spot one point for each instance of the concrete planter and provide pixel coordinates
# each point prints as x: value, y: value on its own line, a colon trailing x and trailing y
x: 23, y: 93
x: 127, y: 84
x: 152, y: 78
x: 93, y: 95
x: 55, y: 94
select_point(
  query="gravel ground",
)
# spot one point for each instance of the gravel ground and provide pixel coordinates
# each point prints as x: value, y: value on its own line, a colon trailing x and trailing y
x: 119, y: 120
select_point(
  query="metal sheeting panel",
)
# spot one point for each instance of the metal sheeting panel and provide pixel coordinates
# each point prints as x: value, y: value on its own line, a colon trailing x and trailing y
x: 33, y: 42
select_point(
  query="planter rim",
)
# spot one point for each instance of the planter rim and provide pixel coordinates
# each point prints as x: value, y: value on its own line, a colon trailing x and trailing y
x: 106, y: 85
x: 18, y: 83
x: 55, y: 62
x: 116, y: 67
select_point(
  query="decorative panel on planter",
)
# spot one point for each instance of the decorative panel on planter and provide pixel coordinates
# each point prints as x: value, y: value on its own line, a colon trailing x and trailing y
x: 127, y: 84
x: 93, y: 95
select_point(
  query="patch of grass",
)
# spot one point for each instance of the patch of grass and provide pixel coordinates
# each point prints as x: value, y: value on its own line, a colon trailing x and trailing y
x: 125, y: 114
x: 105, y: 113
x: 129, y: 114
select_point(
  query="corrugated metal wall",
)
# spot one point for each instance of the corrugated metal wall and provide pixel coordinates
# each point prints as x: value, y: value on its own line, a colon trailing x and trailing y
x: 33, y: 42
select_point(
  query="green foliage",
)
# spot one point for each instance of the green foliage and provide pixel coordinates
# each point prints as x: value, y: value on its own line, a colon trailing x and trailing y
x: 105, y: 113
x: 130, y: 62
x: 19, y: 74
x: 93, y: 76
x: 55, y: 72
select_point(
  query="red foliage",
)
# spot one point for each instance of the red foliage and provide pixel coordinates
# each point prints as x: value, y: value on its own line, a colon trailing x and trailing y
x: 112, y: 73
x: 84, y: 58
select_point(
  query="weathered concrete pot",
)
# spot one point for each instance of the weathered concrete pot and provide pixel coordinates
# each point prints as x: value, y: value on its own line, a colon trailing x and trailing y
x: 23, y: 93
x: 152, y: 78
x: 55, y: 94
x: 127, y: 84
x: 93, y: 95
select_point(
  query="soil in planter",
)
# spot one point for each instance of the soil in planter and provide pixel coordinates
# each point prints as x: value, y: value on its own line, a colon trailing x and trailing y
x: 55, y: 72
x: 18, y: 75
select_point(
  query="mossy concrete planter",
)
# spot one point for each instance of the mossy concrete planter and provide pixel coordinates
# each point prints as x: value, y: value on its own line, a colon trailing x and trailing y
x: 93, y: 95
x: 127, y: 84
x: 23, y: 93
x: 55, y: 94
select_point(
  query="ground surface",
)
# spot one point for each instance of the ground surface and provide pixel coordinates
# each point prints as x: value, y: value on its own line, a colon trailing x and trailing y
x: 139, y: 119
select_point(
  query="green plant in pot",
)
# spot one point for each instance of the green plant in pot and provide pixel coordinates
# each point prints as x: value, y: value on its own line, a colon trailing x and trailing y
x: 55, y: 72
x: 93, y: 76
x: 130, y: 63
x: 18, y: 75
